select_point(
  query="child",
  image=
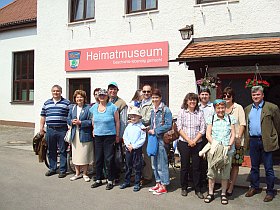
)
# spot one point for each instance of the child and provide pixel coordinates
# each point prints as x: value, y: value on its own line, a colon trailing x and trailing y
x: 134, y: 137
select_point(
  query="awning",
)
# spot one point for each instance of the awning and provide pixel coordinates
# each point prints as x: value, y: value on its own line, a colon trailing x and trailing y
x: 223, y: 53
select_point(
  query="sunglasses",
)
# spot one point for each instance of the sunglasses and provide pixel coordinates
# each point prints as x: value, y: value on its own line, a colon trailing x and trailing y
x: 146, y: 91
x: 227, y: 95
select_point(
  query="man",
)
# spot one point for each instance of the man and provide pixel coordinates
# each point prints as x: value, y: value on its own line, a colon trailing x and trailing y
x: 207, y: 108
x: 54, y: 113
x: 113, y: 90
x: 145, y: 110
x: 261, y: 137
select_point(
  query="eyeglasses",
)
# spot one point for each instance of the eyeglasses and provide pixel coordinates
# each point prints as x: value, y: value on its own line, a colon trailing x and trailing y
x: 146, y: 91
x: 227, y: 95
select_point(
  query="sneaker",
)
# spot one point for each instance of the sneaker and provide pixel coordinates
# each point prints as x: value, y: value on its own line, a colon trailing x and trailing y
x: 153, y: 189
x: 50, y: 173
x: 109, y: 186
x: 73, y: 178
x: 160, y: 191
x: 86, y: 178
x: 62, y: 175
x: 136, y: 188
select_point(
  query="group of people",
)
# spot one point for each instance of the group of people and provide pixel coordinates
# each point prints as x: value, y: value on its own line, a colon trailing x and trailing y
x: 211, y: 143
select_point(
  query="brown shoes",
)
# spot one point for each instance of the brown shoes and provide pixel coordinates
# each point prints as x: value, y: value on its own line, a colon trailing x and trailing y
x: 268, y: 198
x: 251, y: 192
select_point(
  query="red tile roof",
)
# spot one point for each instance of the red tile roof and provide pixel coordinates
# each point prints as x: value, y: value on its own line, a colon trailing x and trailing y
x: 17, y: 12
x: 230, y: 48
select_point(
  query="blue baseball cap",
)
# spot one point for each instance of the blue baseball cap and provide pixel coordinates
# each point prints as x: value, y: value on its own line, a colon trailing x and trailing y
x: 113, y: 84
x: 219, y: 101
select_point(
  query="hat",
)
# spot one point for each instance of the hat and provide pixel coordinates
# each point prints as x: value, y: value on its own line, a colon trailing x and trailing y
x: 135, y: 110
x: 102, y: 91
x: 219, y: 101
x: 113, y: 84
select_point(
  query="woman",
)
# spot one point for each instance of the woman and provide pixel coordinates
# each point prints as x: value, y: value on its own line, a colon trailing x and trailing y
x: 79, y: 118
x: 161, y: 122
x: 106, y: 127
x: 191, y: 126
x: 136, y: 99
x: 237, y: 111
x: 220, y: 132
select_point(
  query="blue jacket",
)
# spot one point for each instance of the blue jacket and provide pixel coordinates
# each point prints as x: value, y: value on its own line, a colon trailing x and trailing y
x: 85, y: 129
x: 161, y: 129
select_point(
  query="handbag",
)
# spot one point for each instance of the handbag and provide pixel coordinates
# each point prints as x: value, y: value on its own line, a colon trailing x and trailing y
x: 67, y: 137
x: 152, y: 146
x: 172, y: 134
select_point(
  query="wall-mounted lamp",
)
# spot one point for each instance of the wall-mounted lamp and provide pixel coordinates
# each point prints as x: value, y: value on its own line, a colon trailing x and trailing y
x: 186, y: 32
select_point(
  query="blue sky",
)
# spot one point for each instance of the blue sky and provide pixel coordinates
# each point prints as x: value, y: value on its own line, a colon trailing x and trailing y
x: 4, y: 2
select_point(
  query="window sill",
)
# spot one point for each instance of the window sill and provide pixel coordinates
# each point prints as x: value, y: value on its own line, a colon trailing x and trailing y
x: 216, y: 3
x: 140, y: 13
x: 22, y: 102
x: 81, y: 22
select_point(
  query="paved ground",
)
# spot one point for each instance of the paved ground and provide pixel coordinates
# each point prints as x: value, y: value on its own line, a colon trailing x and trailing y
x: 24, y: 186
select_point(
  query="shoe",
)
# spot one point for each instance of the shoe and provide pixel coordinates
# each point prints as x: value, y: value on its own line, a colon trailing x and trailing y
x: 96, y: 184
x: 109, y: 186
x: 124, y: 185
x: 86, y: 178
x: 160, y: 191
x: 145, y: 181
x: 73, y: 178
x: 229, y: 193
x: 224, y: 200
x: 136, y: 188
x: 153, y: 189
x: 268, y: 198
x: 251, y: 192
x: 209, y: 198
x: 199, y: 195
x: 50, y: 173
x: 184, y: 192
x: 62, y: 175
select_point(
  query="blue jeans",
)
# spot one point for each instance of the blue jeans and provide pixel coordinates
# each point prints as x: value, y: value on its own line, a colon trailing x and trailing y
x: 160, y: 164
x: 258, y: 155
x: 54, y: 138
x: 134, y: 160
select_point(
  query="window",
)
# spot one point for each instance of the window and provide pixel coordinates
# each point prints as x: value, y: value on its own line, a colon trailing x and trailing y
x: 82, y: 10
x: 141, y: 5
x: 23, y: 76
x: 79, y: 84
x: 207, y: 1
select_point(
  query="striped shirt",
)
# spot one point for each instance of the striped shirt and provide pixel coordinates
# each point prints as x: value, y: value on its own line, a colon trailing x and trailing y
x: 191, y: 123
x: 56, y: 113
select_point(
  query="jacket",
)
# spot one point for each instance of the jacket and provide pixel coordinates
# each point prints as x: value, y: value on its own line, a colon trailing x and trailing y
x: 40, y: 146
x: 85, y: 129
x: 145, y: 111
x: 161, y: 127
x: 270, y: 126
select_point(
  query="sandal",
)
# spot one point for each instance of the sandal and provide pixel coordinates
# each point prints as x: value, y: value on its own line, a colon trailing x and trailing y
x: 209, y: 198
x: 224, y: 200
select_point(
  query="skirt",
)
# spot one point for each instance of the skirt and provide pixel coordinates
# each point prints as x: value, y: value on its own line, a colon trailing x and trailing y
x: 82, y: 152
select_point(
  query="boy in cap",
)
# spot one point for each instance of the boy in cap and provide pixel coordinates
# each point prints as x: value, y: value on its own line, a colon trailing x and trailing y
x: 134, y: 137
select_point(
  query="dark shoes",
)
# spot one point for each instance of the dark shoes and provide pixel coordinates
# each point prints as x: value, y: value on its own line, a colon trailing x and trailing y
x: 251, y: 192
x: 109, y: 186
x: 96, y: 184
x: 50, y: 173
x: 268, y: 198
x: 136, y: 188
x: 184, y: 192
x: 124, y: 185
x: 199, y: 195
x: 62, y: 175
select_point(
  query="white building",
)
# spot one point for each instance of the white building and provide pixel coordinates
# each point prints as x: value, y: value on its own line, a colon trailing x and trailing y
x: 117, y: 28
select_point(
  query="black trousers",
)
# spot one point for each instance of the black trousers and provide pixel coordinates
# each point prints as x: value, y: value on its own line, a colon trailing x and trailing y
x: 104, y: 150
x: 187, y: 154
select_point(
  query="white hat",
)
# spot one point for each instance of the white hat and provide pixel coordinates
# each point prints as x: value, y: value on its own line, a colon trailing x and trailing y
x: 135, y: 110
